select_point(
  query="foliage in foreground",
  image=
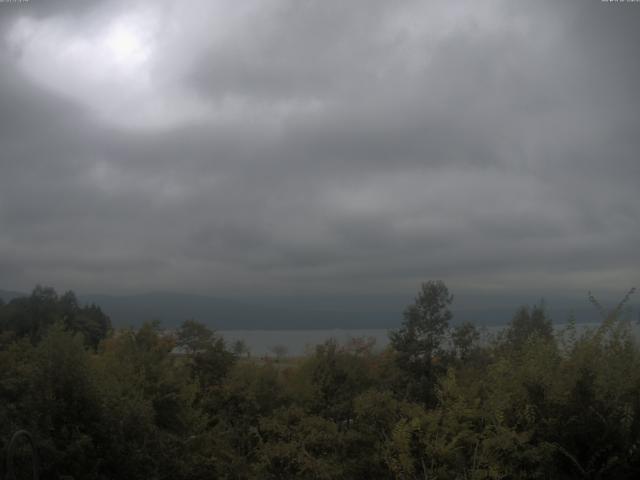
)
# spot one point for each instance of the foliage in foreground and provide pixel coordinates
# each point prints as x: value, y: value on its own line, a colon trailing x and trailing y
x: 149, y: 404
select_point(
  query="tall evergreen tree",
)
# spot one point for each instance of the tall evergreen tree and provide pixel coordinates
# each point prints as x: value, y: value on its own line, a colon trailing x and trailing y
x: 418, y: 342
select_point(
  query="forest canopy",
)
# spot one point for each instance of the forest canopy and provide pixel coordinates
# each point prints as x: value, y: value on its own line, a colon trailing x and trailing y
x: 438, y: 402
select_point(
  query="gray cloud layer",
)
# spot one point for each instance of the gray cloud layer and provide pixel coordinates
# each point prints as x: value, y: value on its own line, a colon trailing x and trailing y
x: 319, y: 146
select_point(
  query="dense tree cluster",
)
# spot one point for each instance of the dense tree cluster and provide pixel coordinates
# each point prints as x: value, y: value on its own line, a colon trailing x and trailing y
x: 31, y: 317
x: 437, y: 403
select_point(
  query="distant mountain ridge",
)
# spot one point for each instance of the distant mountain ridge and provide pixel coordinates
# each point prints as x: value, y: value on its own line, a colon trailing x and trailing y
x: 224, y: 314
x: 8, y: 295
x: 171, y: 309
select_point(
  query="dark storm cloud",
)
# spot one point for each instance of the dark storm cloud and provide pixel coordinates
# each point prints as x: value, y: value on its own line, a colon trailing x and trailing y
x: 319, y: 146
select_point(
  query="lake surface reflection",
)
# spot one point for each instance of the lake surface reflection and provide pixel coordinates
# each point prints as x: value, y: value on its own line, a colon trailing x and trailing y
x: 299, y: 342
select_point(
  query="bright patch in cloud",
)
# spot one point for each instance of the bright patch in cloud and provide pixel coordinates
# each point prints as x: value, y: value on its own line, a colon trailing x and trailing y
x: 127, y: 45
x: 109, y: 70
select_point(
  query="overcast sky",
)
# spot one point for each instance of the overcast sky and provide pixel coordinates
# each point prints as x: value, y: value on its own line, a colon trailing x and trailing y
x: 319, y: 147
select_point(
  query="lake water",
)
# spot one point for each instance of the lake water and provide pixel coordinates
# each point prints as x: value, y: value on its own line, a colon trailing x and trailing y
x: 299, y: 342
